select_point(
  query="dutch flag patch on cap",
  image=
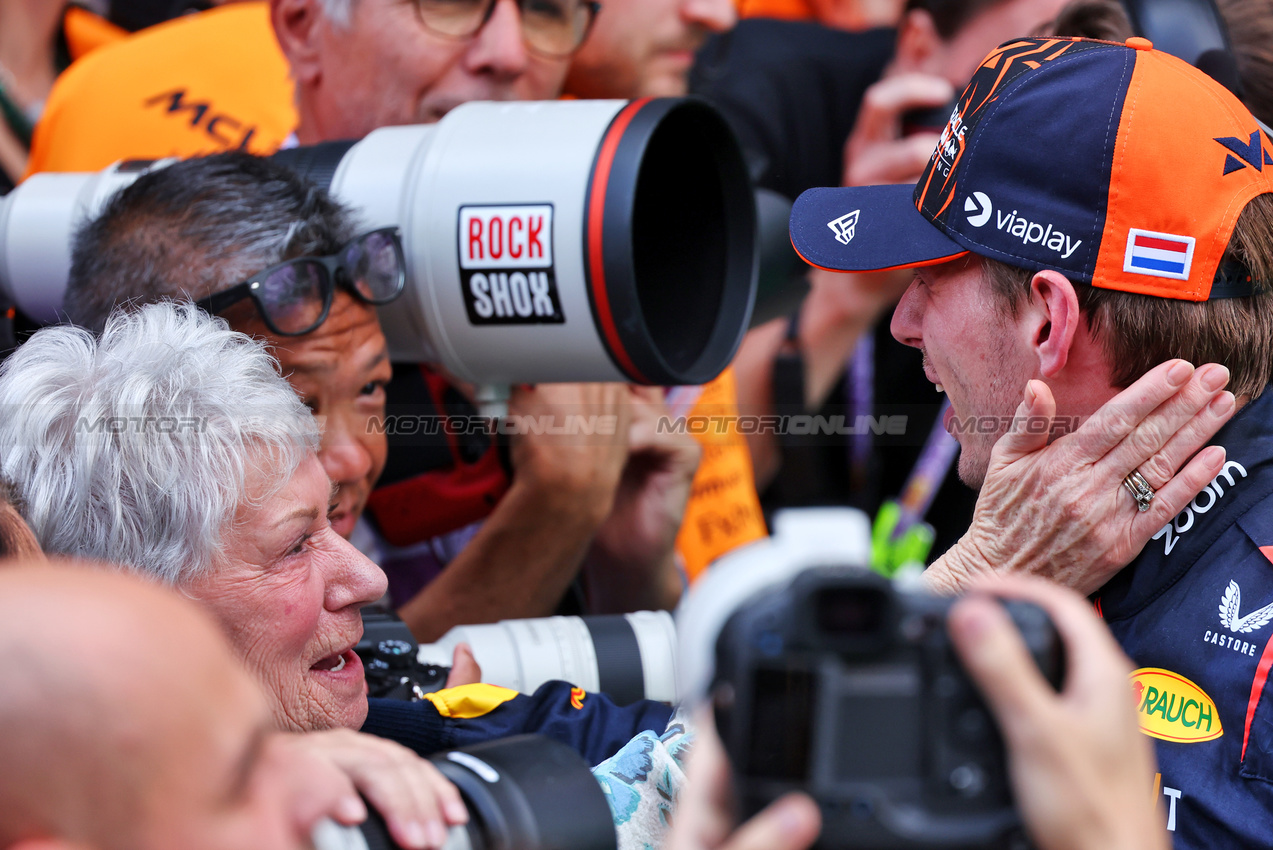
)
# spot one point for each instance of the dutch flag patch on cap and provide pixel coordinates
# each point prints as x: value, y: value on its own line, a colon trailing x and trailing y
x: 1158, y: 254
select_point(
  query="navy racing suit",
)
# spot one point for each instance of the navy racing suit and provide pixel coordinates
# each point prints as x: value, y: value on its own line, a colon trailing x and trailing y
x: 1195, y: 613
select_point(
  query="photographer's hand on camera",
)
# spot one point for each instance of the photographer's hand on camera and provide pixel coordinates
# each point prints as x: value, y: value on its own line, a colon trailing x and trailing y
x: 705, y: 811
x: 417, y: 803
x: 631, y: 564
x: 1060, y: 510
x: 1081, y: 769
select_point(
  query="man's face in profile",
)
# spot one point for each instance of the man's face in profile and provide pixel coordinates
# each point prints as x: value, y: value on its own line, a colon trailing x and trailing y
x: 139, y: 729
x: 972, y: 350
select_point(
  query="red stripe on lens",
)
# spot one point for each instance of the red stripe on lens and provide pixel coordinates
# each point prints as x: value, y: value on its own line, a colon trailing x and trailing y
x: 596, y: 220
x: 1257, y: 687
x: 1161, y: 244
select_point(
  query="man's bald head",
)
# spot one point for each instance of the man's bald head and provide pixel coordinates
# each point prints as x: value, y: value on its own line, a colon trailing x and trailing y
x: 130, y: 723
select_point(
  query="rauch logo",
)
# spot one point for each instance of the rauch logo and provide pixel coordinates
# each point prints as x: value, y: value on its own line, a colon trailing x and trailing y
x: 1172, y: 708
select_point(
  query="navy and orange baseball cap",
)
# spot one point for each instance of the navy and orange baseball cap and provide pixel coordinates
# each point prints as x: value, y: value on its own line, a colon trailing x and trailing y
x: 1115, y: 164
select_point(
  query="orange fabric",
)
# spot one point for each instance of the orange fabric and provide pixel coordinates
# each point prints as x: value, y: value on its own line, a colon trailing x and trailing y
x: 789, y: 10
x: 1200, y: 118
x: 195, y: 85
x: 724, y: 511
x: 85, y: 32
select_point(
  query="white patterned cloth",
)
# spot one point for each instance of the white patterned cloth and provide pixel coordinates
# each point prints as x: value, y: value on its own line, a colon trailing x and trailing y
x: 642, y: 782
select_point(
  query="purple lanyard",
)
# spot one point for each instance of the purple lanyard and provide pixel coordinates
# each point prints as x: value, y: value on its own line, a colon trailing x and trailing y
x: 860, y: 389
x: 934, y: 461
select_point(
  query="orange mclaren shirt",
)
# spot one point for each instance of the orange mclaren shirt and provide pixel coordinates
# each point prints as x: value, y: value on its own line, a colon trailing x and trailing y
x: 198, y: 84
x: 788, y: 10
x: 218, y: 81
x: 85, y: 31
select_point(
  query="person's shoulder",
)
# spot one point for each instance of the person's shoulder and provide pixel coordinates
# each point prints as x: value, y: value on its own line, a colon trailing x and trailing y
x: 198, y: 84
x: 785, y: 36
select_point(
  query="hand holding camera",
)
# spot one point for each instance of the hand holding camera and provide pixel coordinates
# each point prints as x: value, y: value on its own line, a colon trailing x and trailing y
x: 1078, y: 762
x: 912, y: 721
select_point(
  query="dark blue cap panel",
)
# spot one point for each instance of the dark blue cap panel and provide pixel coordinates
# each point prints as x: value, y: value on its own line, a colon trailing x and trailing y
x: 865, y: 228
x: 1042, y: 206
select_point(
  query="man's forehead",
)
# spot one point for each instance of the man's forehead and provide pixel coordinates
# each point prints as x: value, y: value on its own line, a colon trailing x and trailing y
x: 352, y: 329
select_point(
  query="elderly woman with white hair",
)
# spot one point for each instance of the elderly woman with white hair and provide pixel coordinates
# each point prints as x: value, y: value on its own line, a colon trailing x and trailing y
x: 172, y: 446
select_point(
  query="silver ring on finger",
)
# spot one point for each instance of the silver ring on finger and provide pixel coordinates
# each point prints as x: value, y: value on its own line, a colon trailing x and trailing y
x: 1140, y: 489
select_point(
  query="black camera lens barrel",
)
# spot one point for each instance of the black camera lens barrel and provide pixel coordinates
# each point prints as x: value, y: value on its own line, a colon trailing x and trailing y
x: 525, y: 792
x: 316, y: 163
x: 529, y: 792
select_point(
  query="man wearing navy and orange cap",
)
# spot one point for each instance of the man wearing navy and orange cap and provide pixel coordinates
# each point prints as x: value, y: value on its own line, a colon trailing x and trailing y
x: 1094, y: 210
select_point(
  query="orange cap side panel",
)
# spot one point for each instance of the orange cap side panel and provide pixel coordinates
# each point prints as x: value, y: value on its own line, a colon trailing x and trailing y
x: 1173, y: 158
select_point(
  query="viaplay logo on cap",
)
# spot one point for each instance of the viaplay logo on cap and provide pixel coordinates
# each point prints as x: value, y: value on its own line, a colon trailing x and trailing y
x: 979, y: 209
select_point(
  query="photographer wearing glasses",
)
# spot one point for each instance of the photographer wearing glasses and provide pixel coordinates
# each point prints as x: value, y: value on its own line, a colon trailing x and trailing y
x: 279, y: 260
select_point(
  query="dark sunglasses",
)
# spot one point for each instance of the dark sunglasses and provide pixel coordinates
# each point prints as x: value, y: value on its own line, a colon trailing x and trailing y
x: 552, y: 28
x: 295, y: 296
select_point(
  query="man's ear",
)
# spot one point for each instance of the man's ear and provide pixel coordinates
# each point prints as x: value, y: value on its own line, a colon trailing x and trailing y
x: 297, y: 26
x: 917, y: 42
x: 1053, y: 320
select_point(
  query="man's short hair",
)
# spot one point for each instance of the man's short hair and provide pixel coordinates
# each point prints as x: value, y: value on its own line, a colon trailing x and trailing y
x: 949, y: 16
x: 1137, y: 332
x: 140, y: 447
x: 194, y: 228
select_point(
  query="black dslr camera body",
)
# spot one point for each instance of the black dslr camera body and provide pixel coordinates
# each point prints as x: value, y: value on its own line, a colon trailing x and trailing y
x: 389, y: 656
x: 828, y: 679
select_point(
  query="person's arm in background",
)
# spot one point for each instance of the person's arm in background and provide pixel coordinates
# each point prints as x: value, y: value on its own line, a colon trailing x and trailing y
x: 1060, y: 510
x: 564, y: 490
x: 1081, y: 768
x: 632, y: 564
